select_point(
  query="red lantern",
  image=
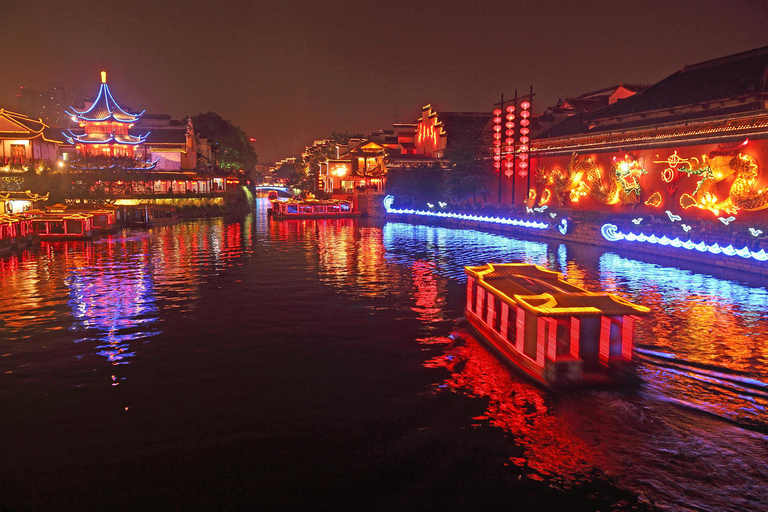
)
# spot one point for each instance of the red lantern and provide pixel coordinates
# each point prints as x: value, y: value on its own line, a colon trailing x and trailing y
x: 524, y: 122
x: 496, y: 120
x: 509, y: 156
x: 524, y: 139
x: 497, y: 142
x: 509, y: 172
x: 497, y: 158
x: 522, y: 174
x: 523, y: 165
x: 511, y: 108
x: 523, y: 148
x: 509, y: 165
x: 509, y: 140
x: 509, y: 133
x: 525, y: 114
x: 524, y: 131
x: 496, y: 135
x: 509, y: 149
x: 497, y: 112
x: 525, y: 105
x: 497, y: 150
x: 497, y: 165
x: 510, y: 125
x: 497, y: 128
x: 523, y: 156
x: 510, y: 117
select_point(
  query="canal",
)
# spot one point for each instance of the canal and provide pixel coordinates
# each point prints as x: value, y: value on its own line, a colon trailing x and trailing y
x: 310, y: 365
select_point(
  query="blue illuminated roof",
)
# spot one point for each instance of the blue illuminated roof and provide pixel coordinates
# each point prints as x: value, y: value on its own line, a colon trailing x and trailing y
x: 105, y: 108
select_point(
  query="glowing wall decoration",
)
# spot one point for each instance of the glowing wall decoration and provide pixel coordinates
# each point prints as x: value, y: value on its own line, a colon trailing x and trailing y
x: 720, y: 164
x: 655, y: 200
x: 755, y: 232
x: 389, y: 201
x: 628, y: 171
x: 611, y: 233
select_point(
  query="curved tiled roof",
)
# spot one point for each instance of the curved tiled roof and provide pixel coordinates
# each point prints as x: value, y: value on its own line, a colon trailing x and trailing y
x: 105, y: 108
x: 104, y: 138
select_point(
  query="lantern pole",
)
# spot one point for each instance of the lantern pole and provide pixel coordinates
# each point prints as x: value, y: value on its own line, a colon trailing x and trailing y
x: 501, y: 106
x: 514, y: 156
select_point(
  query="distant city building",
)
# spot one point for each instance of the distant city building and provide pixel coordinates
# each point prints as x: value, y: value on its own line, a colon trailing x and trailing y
x: 49, y: 104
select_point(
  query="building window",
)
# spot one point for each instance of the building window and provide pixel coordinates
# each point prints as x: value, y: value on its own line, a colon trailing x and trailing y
x: 18, y: 153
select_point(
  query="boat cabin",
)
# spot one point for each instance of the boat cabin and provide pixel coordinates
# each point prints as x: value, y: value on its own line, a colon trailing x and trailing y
x: 15, y: 232
x: 313, y: 209
x: 104, y: 216
x: 149, y: 214
x: 558, y: 333
x: 75, y: 226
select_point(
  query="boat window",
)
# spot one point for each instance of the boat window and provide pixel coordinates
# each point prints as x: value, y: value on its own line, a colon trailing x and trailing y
x: 532, y: 336
x: 496, y: 321
x: 512, y: 325
x: 74, y: 226
x: 291, y: 208
x: 614, y: 343
x: 305, y: 209
x: 563, y: 336
x: 345, y: 207
x: 38, y: 227
x: 56, y: 227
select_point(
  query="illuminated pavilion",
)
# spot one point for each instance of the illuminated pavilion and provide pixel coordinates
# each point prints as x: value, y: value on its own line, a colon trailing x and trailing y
x: 161, y: 161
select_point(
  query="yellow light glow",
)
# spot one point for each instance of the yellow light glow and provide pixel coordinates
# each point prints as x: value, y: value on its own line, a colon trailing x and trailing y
x: 103, y: 77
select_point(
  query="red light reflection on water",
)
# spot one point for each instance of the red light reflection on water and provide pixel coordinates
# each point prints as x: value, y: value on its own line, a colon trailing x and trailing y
x: 518, y: 407
x: 429, y: 299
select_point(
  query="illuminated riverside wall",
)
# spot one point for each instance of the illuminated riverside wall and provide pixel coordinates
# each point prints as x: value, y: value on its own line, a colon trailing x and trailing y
x: 715, y: 182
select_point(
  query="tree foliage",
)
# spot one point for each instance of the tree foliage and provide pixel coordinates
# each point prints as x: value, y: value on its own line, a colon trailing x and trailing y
x: 231, y: 148
x: 418, y: 185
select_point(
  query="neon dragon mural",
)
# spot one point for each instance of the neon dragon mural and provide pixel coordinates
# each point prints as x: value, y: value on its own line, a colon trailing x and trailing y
x: 715, y: 168
x: 583, y: 177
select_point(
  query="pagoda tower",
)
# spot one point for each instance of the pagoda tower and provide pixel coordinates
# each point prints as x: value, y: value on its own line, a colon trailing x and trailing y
x: 106, y: 127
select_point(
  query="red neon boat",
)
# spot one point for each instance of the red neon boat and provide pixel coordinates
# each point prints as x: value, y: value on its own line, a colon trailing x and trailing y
x: 313, y: 209
x: 556, y: 333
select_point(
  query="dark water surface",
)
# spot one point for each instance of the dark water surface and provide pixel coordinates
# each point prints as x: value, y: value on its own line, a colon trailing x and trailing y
x: 300, y: 365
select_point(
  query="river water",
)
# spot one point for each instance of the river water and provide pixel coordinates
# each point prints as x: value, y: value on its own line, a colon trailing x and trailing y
x: 313, y: 365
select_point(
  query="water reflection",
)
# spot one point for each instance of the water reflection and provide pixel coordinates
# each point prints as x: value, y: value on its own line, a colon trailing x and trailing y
x: 705, y: 344
x: 110, y: 295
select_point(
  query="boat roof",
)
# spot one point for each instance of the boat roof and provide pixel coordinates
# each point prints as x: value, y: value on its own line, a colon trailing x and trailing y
x: 545, y: 292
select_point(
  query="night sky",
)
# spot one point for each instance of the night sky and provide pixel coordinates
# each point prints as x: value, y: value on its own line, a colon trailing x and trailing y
x: 291, y: 71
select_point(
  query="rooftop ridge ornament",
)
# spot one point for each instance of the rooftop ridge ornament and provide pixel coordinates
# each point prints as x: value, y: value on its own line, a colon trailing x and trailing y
x: 105, y: 107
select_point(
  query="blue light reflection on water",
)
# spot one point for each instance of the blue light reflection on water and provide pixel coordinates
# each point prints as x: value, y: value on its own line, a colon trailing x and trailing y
x: 452, y: 249
x: 114, y: 306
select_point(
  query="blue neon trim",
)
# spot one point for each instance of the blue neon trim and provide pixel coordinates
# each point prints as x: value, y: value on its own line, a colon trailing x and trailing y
x: 388, y: 200
x: 612, y: 234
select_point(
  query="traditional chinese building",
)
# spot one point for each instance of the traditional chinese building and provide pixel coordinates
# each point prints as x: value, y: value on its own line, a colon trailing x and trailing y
x: 692, y: 146
x: 25, y: 142
x: 364, y: 163
x: 160, y: 156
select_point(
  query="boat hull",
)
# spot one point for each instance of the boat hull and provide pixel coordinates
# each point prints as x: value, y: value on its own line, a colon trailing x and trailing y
x: 559, y: 376
x: 280, y: 216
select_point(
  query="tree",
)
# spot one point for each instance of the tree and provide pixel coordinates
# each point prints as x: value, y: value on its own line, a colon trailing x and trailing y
x: 418, y: 185
x: 470, y: 174
x: 231, y: 147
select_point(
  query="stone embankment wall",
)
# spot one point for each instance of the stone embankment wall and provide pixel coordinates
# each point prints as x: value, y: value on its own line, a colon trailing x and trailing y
x: 588, y: 232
